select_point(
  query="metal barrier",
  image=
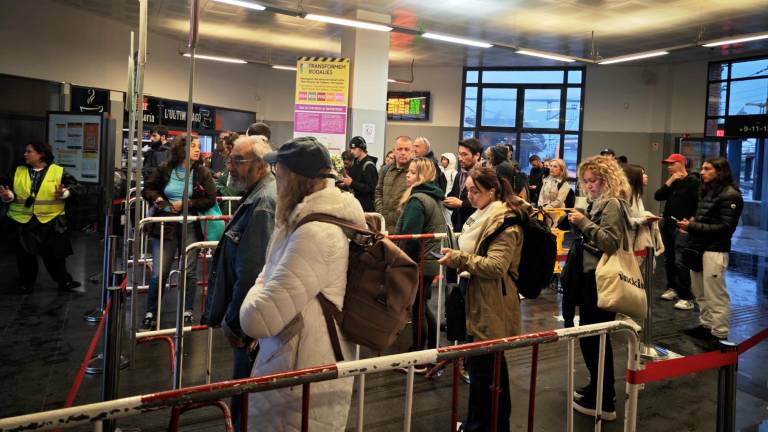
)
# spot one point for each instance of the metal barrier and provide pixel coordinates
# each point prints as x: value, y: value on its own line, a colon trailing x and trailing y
x: 114, y: 409
x: 228, y: 200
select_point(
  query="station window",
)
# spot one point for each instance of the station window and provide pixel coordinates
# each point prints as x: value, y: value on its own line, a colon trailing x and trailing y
x: 535, y: 111
x: 738, y: 88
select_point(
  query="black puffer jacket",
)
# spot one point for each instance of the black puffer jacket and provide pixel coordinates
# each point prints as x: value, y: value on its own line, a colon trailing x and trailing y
x: 716, y: 218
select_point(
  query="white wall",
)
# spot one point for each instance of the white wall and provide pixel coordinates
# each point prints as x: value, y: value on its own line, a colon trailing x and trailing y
x: 45, y: 40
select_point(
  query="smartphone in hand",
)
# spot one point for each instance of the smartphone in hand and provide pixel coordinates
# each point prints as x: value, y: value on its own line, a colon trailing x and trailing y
x: 437, y: 255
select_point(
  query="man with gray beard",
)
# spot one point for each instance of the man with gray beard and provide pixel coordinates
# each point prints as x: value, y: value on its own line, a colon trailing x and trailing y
x: 242, y: 250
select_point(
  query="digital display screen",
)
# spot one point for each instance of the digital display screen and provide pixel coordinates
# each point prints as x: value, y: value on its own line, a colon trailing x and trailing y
x: 408, y: 106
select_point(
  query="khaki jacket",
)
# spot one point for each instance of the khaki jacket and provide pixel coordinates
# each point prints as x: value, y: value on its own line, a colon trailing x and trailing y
x: 490, y: 313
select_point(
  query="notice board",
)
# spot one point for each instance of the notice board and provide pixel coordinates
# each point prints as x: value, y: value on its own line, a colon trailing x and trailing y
x: 77, y: 143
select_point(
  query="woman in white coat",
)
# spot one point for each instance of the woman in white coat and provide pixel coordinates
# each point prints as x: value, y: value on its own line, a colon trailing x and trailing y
x: 282, y: 311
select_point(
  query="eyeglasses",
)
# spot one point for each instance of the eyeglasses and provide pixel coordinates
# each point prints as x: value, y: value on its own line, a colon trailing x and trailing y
x: 237, y: 161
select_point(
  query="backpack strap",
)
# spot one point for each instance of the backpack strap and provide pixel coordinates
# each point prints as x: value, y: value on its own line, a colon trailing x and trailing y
x: 360, y: 235
x: 331, y: 314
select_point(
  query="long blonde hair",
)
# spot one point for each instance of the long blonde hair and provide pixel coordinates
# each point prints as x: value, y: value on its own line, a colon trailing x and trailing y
x: 608, y: 171
x: 425, y: 172
x: 563, y: 168
x: 297, y: 187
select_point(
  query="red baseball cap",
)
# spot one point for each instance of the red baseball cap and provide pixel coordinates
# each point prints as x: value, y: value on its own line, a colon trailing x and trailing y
x: 674, y: 157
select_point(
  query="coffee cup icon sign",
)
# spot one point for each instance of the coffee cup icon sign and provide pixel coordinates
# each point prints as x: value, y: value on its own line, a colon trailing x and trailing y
x: 89, y: 103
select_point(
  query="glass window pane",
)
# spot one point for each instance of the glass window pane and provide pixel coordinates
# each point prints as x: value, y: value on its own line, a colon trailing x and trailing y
x: 467, y: 134
x: 572, y: 108
x: 470, y: 106
x: 748, y: 97
x: 472, y: 77
x: 499, y: 107
x: 574, y: 77
x: 524, y: 77
x: 571, y: 153
x: 541, y: 108
x: 547, y: 146
x: 747, y: 69
x: 715, y: 127
x: 698, y: 151
x: 746, y: 172
x: 717, y: 97
x: 489, y: 139
x: 718, y: 71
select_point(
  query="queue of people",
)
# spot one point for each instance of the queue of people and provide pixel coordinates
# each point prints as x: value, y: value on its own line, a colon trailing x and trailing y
x: 270, y: 268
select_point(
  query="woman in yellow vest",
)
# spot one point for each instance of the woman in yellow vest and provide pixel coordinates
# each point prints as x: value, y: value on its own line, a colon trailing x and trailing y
x: 165, y: 189
x: 36, y: 200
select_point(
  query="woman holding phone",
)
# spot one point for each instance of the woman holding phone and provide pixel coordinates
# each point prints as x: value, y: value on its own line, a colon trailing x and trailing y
x: 422, y: 212
x: 165, y: 189
x: 489, y: 250
x: 602, y: 227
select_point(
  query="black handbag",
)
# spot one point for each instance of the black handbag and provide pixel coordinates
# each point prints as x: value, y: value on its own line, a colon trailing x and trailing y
x: 692, y: 259
x: 456, y: 321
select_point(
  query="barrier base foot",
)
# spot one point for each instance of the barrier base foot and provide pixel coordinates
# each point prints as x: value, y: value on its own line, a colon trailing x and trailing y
x: 651, y: 352
x: 96, y: 364
x: 93, y: 316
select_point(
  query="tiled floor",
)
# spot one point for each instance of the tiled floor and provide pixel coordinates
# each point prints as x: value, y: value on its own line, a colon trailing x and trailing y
x: 44, y: 339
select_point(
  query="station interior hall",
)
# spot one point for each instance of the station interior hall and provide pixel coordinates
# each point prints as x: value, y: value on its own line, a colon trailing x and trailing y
x: 558, y: 79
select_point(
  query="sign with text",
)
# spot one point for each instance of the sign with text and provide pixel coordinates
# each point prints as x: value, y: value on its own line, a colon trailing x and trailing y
x: 747, y: 126
x: 76, y: 143
x: 322, y: 95
x: 173, y: 114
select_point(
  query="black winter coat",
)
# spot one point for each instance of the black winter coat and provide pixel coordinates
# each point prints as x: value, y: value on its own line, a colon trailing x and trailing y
x: 716, y: 219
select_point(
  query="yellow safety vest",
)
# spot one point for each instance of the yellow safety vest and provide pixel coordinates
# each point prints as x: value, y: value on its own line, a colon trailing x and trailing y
x: 46, y: 206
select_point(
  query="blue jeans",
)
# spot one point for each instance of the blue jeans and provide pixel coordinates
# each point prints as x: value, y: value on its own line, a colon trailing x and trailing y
x: 170, y: 248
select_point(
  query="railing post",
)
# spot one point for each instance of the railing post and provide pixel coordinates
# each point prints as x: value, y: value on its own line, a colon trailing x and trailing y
x: 107, y: 265
x: 647, y: 348
x: 726, y: 391
x: 112, y: 344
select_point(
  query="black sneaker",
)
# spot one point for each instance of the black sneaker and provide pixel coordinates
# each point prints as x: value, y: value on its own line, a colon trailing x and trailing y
x: 73, y: 287
x: 586, y: 406
x: 699, y: 332
x: 189, y: 319
x: 149, y: 322
x: 581, y: 392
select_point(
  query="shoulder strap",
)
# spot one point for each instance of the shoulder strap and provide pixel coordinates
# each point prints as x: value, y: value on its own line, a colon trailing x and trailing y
x: 342, y: 223
x: 366, y: 163
x: 331, y: 314
x: 559, y: 185
x: 508, y: 222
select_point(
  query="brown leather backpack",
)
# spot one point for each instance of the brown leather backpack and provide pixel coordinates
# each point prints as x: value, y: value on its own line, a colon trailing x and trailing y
x: 382, y: 282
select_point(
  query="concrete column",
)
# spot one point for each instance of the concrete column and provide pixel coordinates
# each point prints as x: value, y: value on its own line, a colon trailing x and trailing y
x: 368, y: 51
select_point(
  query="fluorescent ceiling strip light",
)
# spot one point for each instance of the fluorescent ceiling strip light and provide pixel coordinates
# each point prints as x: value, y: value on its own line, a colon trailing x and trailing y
x: 348, y: 22
x: 244, y: 4
x: 546, y: 56
x: 737, y: 40
x: 633, y: 57
x: 216, y: 58
x: 457, y: 40
x: 290, y: 68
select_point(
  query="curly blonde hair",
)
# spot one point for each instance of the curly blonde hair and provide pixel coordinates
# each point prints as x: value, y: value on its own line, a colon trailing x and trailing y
x: 608, y: 171
x: 425, y: 172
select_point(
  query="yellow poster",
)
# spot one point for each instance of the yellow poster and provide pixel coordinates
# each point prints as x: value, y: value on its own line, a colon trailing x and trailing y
x: 322, y: 81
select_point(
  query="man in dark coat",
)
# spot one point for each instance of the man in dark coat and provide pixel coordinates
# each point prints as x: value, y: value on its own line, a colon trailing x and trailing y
x: 469, y: 155
x: 422, y: 148
x: 363, y: 175
x: 158, y: 152
x: 242, y: 250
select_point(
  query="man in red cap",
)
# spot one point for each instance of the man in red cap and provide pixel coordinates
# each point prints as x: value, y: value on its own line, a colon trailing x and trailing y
x: 681, y: 195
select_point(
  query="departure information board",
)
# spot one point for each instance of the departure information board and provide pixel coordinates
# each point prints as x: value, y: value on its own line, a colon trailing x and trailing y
x: 408, y: 106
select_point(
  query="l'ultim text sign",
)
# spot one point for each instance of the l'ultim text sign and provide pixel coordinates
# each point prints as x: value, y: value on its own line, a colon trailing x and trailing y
x: 173, y: 113
x: 747, y: 126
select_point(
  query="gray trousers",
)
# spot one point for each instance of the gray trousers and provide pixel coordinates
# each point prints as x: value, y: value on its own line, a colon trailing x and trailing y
x: 711, y: 293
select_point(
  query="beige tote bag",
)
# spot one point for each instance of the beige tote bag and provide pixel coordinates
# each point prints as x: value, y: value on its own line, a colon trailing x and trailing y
x: 620, y: 285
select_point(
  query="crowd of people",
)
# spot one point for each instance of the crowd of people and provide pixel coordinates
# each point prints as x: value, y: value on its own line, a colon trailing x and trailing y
x: 270, y: 268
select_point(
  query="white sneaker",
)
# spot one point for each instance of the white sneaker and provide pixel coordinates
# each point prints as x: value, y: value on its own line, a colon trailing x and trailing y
x: 669, y: 294
x: 684, y: 304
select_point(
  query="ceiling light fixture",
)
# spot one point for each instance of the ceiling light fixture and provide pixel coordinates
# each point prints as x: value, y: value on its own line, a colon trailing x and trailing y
x: 738, y: 39
x: 289, y: 68
x: 544, y: 55
x: 216, y: 58
x: 348, y: 22
x: 633, y: 57
x: 244, y: 4
x: 457, y: 40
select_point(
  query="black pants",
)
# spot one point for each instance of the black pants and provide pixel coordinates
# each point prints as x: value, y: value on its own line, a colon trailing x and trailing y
x: 428, y: 322
x: 589, y: 313
x: 678, y: 277
x: 27, y: 265
x: 480, y: 406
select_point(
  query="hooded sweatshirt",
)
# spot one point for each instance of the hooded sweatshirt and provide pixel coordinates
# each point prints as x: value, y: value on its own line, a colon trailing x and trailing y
x: 450, y: 172
x: 423, y: 213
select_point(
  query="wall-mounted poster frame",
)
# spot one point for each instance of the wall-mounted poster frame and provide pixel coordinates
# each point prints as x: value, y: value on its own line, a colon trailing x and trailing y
x: 77, y: 141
